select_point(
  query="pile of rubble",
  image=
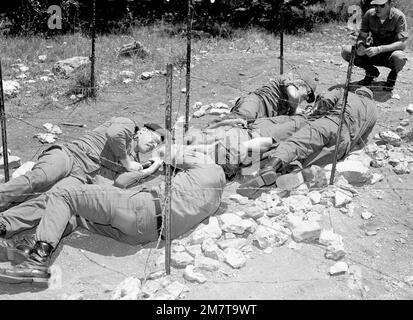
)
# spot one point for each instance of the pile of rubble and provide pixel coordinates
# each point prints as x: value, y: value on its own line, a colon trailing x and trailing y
x: 218, y: 108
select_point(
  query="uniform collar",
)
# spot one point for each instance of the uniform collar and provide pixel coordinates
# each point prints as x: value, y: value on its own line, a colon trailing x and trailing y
x: 391, y: 14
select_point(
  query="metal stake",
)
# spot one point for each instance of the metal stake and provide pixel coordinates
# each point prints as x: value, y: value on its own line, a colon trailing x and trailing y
x: 92, y: 58
x: 188, y: 63
x: 343, y: 111
x: 168, y: 128
x: 3, y: 130
x: 282, y: 38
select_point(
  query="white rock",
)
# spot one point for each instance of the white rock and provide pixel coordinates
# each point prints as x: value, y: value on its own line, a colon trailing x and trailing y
x: 46, y: 137
x: 216, y: 111
x: 366, y: 215
x: 127, y: 80
x: 402, y: 168
x: 232, y: 223
x: 24, y: 168
x: 315, y: 197
x: 306, y: 231
x: 277, y: 211
x: 354, y: 172
x: 265, y: 221
x: 10, y: 88
x: 14, y: 162
x: 236, y: 243
x: 298, y: 203
x: 339, y: 268
x: 290, y: 181
x: 329, y: 237
x: 235, y: 258
x: 341, y: 199
x: 301, y: 190
x: 68, y: 66
x: 313, y: 216
x: 197, y: 105
x: 52, y: 128
x: 371, y: 148
x: 211, y: 250
x: 128, y: 289
x: 395, y: 96
x: 199, y: 113
x: 206, y: 264
x: 249, y: 225
x: 360, y: 156
x: 293, y: 221
x: 239, y: 199
x: 42, y: 58
x: 176, y: 289
x: 254, y: 212
x: 194, y: 250
x: 146, y: 75
x: 391, y: 138
x: 211, y: 230
x: 181, y: 259
x: 377, y: 177
x: 150, y: 288
x: 191, y: 275
x: 264, y: 236
x: 409, y: 108
x: 21, y: 76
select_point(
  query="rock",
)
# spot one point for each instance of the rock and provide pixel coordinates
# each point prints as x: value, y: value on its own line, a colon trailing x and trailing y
x: 127, y: 73
x: 395, y: 96
x: 46, y: 137
x: 206, y: 264
x: 377, y: 177
x: 194, y: 250
x: 366, y: 215
x: 211, y: 250
x: 134, y: 48
x: 21, y: 76
x: 395, y: 158
x: 236, y: 243
x: 335, y: 251
x: 405, y: 122
x: 232, y: 223
x: 150, y: 288
x: 264, y: 236
x: 297, y: 203
x: 66, y: 67
x: 353, y: 171
x: 315, y: 197
x: 211, y: 230
x: 254, y: 212
x: 239, y: 199
x: 52, y: 128
x: 235, y: 258
x: 183, y: 90
x: 265, y: 221
x: 197, y: 105
x: 371, y: 148
x: 240, y: 214
x: 328, y: 237
x: 25, y: 167
x: 128, y: 289
x: 341, y: 199
x: 301, y: 190
x: 306, y: 231
x: 181, y: 260
x: 409, y: 280
x: 10, y: 88
x: 156, y: 275
x: 360, y: 156
x: 199, y: 113
x: 229, y: 235
x: 146, y: 75
x: 370, y: 232
x: 42, y: 58
x: 250, y: 225
x: 293, y: 221
x: 339, y: 268
x: 191, y: 275
x: 409, y: 108
x: 277, y: 211
x: 289, y: 181
x: 176, y: 289
x: 75, y: 296
x: 14, y: 162
x: 268, y: 250
x: 216, y: 111
x: 127, y: 80
x: 391, y: 138
x: 313, y: 216
x: 402, y: 168
x: 178, y: 248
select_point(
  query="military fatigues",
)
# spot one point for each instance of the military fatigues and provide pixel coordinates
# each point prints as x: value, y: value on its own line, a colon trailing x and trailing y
x: 131, y: 215
x: 268, y: 101
x: 63, y: 165
x: 314, y: 143
x: 393, y: 29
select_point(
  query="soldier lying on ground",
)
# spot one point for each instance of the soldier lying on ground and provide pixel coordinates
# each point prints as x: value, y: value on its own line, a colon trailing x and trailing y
x: 314, y: 143
x: 110, y: 149
x: 133, y: 216
x: 280, y: 96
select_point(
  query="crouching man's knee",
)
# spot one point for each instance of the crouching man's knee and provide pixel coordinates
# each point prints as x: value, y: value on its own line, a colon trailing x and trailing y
x: 346, y: 52
x: 397, y: 60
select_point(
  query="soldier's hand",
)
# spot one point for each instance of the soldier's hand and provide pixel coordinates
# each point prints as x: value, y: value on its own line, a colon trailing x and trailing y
x: 372, y: 51
x: 133, y: 166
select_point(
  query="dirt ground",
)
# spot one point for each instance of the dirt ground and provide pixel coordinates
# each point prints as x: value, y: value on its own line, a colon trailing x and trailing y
x: 92, y: 265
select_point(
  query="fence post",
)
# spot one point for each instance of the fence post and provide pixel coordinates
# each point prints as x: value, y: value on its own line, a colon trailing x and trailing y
x: 3, y: 130
x: 282, y: 38
x: 188, y: 63
x: 93, y: 58
x: 168, y: 128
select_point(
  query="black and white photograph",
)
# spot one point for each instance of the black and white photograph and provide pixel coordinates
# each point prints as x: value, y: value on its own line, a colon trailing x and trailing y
x: 202, y: 156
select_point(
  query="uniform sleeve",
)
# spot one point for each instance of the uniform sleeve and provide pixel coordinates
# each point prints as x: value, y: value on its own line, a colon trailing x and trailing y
x: 401, y: 28
x: 365, y: 25
x: 119, y: 135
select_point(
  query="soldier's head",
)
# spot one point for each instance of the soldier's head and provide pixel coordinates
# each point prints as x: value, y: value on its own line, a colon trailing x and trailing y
x: 148, y: 137
x: 382, y: 8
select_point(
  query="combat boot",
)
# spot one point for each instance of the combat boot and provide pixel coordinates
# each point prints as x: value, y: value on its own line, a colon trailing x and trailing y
x: 16, y: 250
x: 370, y: 75
x: 391, y: 81
x: 34, y: 270
x: 265, y: 177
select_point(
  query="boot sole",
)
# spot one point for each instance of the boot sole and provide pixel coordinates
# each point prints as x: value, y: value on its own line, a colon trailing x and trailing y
x: 43, y: 282
x: 249, y: 188
x: 12, y: 254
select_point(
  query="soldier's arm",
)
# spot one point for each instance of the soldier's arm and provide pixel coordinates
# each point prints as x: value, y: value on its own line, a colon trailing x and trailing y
x: 364, y: 30
x: 401, y: 36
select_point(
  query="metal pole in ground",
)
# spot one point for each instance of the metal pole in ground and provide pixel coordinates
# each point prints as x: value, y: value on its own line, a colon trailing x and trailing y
x: 282, y: 38
x: 343, y: 110
x: 188, y: 63
x: 168, y: 128
x: 92, y: 58
x: 4, y: 131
